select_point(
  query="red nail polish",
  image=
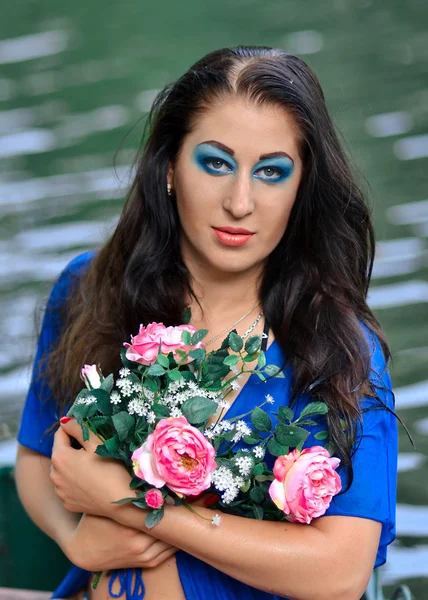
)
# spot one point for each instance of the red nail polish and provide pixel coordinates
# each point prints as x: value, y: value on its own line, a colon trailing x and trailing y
x: 64, y: 420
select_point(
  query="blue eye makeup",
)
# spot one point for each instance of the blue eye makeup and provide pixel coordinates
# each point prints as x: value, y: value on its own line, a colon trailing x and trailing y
x: 274, y: 170
x: 212, y: 160
x: 217, y: 162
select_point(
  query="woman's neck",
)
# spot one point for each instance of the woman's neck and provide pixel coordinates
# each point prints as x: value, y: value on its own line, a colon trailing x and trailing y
x: 223, y: 298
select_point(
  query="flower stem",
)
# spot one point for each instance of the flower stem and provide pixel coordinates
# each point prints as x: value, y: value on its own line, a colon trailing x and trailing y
x: 96, y: 579
x: 194, y: 511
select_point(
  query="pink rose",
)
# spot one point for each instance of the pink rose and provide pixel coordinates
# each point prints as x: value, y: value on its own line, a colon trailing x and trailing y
x: 144, y: 346
x: 305, y: 482
x: 176, y: 454
x: 154, y: 498
x: 91, y: 376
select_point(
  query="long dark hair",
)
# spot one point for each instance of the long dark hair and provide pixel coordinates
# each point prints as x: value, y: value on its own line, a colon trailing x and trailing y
x: 315, y: 283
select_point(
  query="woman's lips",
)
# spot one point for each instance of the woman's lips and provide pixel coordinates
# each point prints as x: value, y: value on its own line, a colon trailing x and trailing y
x: 231, y: 236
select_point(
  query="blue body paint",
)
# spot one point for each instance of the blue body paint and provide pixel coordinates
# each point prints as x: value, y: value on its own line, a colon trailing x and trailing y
x: 214, y: 161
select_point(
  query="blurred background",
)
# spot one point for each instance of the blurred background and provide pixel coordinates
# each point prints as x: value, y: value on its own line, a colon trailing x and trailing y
x: 75, y: 80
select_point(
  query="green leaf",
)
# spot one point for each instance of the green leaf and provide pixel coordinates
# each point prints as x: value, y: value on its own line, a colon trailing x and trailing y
x: 101, y: 450
x: 186, y: 316
x: 263, y: 478
x: 260, y: 375
x: 310, y: 422
x: 103, y: 401
x: 188, y: 376
x: 253, y: 344
x: 273, y: 371
x: 123, y: 500
x: 107, y: 383
x: 277, y: 449
x: 198, y: 353
x: 186, y: 337
x: 112, y: 445
x: 261, y: 361
x: 85, y: 433
x: 136, y: 483
x: 235, y: 342
x: 174, y: 375
x: 99, y: 421
x: 161, y: 410
x: 257, y: 494
x: 140, y: 503
x: 285, y: 413
x: 258, y: 469
x: 246, y: 486
x: 231, y: 360
x: 321, y: 435
x: 314, y: 408
x: 251, y: 439
x: 258, y: 511
x: 123, y: 423
x: 198, y: 336
x: 151, y: 384
x: 198, y: 409
x: 163, y: 360
x: 153, y: 518
x: 251, y: 357
x: 156, y: 370
x: 261, y: 420
x: 290, y: 435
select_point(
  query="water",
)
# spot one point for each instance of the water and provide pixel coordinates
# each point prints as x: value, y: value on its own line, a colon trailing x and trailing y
x: 74, y: 80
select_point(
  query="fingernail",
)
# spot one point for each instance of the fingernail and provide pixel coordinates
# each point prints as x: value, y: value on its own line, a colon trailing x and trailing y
x: 64, y: 420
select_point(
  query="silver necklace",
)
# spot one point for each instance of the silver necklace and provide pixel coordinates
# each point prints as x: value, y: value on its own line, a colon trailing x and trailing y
x: 249, y: 330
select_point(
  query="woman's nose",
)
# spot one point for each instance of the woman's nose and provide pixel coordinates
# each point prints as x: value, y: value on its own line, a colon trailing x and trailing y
x: 239, y: 199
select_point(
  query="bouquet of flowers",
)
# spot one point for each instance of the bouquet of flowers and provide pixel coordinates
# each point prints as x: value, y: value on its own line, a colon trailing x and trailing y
x: 155, y: 419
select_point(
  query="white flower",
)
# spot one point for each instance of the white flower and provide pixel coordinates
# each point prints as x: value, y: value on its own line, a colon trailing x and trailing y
x: 223, y: 478
x: 242, y: 428
x: 115, y: 397
x: 244, y: 464
x: 230, y: 495
x: 216, y: 520
x: 176, y: 412
x: 223, y: 404
x: 259, y: 452
x: 209, y: 433
x: 269, y: 399
x: 124, y: 372
x: 125, y: 386
x: 235, y: 370
x: 137, y: 388
x: 88, y: 400
x: 226, y: 425
x: 217, y: 429
x: 137, y: 407
x: 235, y: 385
x: 151, y: 417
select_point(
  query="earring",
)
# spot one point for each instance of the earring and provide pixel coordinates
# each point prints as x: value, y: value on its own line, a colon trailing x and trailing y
x: 169, y: 189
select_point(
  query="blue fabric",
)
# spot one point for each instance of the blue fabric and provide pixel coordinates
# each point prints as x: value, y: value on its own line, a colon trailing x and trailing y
x: 371, y: 495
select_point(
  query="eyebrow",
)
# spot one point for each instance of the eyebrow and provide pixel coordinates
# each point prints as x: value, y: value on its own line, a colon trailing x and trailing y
x: 221, y: 146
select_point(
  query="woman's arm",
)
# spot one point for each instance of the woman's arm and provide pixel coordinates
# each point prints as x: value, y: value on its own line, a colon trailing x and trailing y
x: 331, y: 558
x: 90, y: 542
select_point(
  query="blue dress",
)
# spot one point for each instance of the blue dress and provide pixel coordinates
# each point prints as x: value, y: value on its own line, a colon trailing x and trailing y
x: 372, y: 494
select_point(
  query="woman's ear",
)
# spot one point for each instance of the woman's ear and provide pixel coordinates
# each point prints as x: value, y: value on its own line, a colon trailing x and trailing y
x: 170, y: 175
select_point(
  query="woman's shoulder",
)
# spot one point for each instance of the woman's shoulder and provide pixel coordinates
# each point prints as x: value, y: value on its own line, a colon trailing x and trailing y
x: 72, y: 270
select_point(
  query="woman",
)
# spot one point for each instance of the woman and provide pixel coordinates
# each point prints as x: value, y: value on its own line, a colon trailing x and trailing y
x: 244, y: 209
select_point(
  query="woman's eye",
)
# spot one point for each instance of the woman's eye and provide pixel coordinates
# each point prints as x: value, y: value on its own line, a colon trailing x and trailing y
x: 216, y: 164
x: 271, y: 172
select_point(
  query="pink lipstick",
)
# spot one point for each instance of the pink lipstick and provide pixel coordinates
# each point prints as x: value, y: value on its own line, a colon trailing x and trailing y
x: 232, y: 236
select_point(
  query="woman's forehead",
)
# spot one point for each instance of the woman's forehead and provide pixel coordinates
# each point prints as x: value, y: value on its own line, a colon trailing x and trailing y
x: 246, y: 127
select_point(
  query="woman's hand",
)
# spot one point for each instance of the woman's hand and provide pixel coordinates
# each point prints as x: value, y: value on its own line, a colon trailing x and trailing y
x: 99, y: 544
x: 84, y: 481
